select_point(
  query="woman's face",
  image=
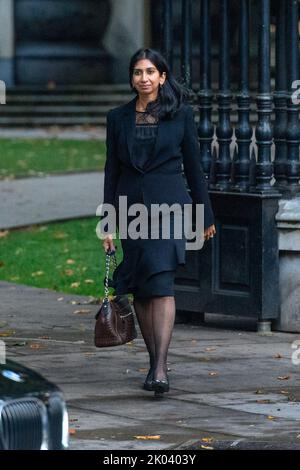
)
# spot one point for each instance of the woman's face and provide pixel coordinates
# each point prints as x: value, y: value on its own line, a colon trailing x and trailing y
x: 146, y: 78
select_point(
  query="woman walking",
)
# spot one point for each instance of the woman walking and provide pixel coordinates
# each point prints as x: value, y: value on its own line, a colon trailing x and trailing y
x: 148, y: 140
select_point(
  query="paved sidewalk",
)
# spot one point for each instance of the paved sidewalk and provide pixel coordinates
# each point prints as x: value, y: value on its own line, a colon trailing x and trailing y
x: 227, y: 382
x: 29, y: 201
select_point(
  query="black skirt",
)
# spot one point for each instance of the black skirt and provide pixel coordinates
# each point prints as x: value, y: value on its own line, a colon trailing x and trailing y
x: 149, y: 265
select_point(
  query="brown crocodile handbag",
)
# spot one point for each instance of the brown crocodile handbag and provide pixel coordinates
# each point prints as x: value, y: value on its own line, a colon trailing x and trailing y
x: 114, y: 320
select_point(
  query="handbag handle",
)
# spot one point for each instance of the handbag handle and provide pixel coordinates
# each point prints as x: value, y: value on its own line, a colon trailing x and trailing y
x: 107, y: 265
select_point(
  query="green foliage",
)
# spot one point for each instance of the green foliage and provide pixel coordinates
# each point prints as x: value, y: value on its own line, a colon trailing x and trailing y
x: 56, y: 256
x: 31, y: 157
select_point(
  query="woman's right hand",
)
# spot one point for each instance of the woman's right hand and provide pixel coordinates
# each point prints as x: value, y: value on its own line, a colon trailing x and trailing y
x: 108, y: 243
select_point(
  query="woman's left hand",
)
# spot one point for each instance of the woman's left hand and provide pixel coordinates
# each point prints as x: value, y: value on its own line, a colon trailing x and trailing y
x: 209, y: 232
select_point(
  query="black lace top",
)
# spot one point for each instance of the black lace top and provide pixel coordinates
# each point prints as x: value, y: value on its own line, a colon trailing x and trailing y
x: 145, y: 137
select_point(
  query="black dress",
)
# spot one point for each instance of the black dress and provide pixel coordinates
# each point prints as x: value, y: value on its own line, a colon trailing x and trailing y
x: 137, y: 273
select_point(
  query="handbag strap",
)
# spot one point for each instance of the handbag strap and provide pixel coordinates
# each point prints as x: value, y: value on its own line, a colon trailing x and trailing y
x: 109, y: 254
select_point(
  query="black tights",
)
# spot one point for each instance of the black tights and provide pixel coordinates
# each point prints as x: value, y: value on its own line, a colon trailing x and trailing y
x: 156, y: 317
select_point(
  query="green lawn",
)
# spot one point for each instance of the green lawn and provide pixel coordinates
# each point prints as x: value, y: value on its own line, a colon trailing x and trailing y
x: 66, y: 257
x: 30, y: 157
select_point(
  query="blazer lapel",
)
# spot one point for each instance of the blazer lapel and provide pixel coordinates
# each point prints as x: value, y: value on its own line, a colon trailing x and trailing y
x: 129, y: 126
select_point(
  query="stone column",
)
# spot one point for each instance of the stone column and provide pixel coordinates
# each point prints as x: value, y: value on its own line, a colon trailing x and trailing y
x: 124, y: 35
x: 288, y: 223
x: 7, y: 42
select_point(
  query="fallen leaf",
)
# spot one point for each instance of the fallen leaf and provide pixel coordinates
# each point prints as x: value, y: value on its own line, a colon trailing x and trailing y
x: 143, y: 370
x: 91, y: 300
x: 60, y: 299
x: 283, y: 377
x: 147, y: 437
x: 89, y: 281
x: 83, y: 310
x: 75, y: 284
x: 259, y: 392
x: 70, y: 261
x: 69, y: 272
x: 298, y: 436
x: 37, y: 273
x: 277, y: 356
x: 213, y: 373
x: 59, y: 235
x: 75, y: 302
x: 35, y: 346
x: 206, y: 447
x: 209, y: 349
x: 4, y: 233
x: 271, y: 417
x: 44, y: 337
x: 207, y: 439
x: 72, y: 431
x: 73, y: 420
x: 284, y: 392
x: 3, y: 334
x: 23, y: 343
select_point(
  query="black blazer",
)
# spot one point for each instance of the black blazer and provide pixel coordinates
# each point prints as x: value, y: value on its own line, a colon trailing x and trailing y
x: 161, y: 181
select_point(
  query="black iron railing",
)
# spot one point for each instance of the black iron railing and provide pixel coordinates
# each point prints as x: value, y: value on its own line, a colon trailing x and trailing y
x: 249, y: 165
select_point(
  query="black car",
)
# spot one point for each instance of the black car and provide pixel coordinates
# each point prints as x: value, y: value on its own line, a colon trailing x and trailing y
x: 33, y: 413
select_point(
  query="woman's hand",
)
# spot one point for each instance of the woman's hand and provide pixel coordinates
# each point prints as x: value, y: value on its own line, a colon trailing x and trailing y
x: 209, y: 232
x: 108, y: 243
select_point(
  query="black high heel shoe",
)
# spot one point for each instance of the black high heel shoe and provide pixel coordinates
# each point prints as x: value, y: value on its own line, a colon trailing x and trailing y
x: 160, y: 386
x: 149, y: 380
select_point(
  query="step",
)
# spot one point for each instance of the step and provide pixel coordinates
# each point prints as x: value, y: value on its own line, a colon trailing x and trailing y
x: 54, y: 121
x: 68, y: 89
x: 65, y: 99
x: 66, y: 109
x: 71, y: 120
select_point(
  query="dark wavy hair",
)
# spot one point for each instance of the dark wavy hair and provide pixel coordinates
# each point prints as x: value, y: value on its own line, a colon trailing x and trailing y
x: 171, y: 95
